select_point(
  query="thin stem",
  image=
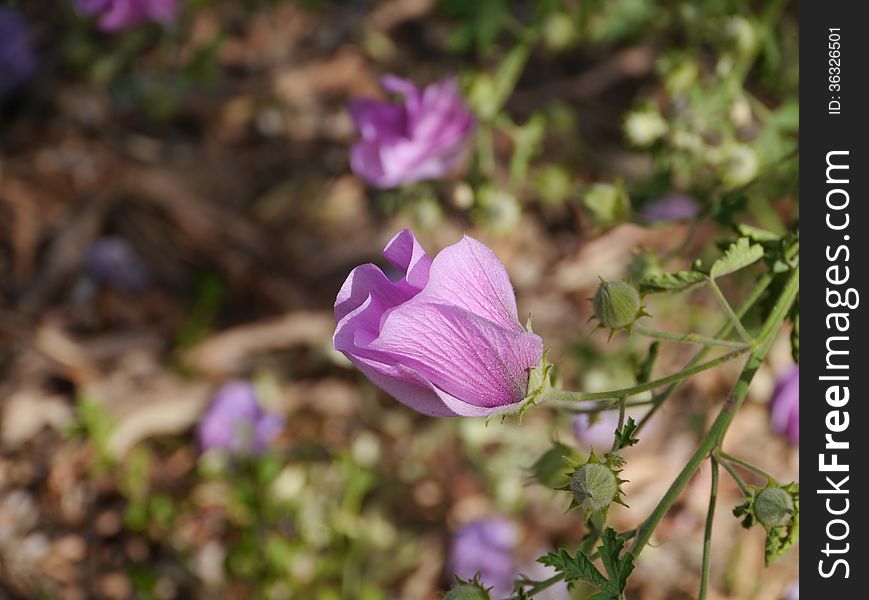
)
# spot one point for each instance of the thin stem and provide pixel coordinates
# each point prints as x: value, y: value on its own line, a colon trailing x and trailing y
x: 744, y: 464
x: 726, y: 328
x: 725, y: 305
x: 743, y: 487
x: 596, y: 406
x: 539, y: 586
x: 686, y: 338
x: 622, y: 407
x: 717, y: 431
x: 707, y: 534
x: 649, y: 385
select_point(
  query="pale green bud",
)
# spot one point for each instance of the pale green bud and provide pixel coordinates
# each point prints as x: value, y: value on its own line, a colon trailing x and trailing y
x: 774, y: 507
x: 594, y: 487
x: 616, y: 304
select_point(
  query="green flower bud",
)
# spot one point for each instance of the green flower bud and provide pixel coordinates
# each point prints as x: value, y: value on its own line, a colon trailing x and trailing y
x: 594, y: 487
x: 616, y: 304
x: 774, y: 507
x: 467, y: 591
x: 607, y: 204
x: 549, y: 468
x: 645, y: 126
x: 497, y: 209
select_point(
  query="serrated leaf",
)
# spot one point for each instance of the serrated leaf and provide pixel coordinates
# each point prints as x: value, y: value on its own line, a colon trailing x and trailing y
x: 575, y: 568
x: 618, y: 567
x: 738, y: 255
x: 625, y: 435
x: 757, y: 234
x: 671, y: 282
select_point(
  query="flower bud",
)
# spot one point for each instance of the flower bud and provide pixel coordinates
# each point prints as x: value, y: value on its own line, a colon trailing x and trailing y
x: 645, y: 126
x: 594, y: 487
x: 607, y: 204
x: 616, y: 304
x: 774, y: 507
x: 467, y: 591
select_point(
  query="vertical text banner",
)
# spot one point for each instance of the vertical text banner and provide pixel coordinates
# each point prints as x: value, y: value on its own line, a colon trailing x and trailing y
x: 834, y: 238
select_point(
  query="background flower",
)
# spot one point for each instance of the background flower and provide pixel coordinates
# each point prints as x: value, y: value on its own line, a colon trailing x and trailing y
x: 445, y: 338
x: 236, y: 423
x: 785, y: 405
x: 672, y: 207
x: 486, y: 547
x: 424, y: 136
x: 17, y: 61
x: 116, y: 15
x: 112, y: 261
x: 596, y: 431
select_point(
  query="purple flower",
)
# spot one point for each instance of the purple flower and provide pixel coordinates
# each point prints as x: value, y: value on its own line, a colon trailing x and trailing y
x: 113, y: 262
x: 17, y: 61
x: 236, y: 423
x: 793, y: 591
x: 486, y: 547
x: 785, y: 405
x: 422, y: 137
x: 445, y: 337
x: 116, y: 15
x: 596, y: 432
x: 672, y: 207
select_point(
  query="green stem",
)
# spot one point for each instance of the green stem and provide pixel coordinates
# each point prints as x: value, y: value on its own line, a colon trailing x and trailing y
x: 622, y: 407
x: 707, y: 533
x: 539, y: 586
x: 596, y: 406
x: 725, y: 305
x: 716, y: 432
x: 686, y: 338
x: 744, y: 464
x: 743, y: 487
x: 753, y: 296
x: 557, y: 394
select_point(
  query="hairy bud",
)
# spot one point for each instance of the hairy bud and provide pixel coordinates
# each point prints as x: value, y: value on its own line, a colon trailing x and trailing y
x: 774, y: 507
x: 616, y: 304
x: 467, y: 591
x: 594, y: 487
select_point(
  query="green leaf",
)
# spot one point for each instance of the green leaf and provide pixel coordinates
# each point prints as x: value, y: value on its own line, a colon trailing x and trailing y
x: 618, y: 567
x: 739, y: 255
x: 625, y: 435
x: 671, y: 282
x: 575, y: 568
x: 756, y: 234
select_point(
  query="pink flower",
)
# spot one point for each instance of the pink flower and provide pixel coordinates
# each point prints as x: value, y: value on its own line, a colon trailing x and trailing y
x: 486, y: 547
x: 116, y: 15
x: 596, y: 432
x: 422, y: 137
x: 785, y: 405
x: 236, y: 423
x: 672, y: 207
x: 445, y: 337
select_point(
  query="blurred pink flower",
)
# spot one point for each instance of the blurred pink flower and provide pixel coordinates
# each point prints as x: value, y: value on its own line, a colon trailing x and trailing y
x: 236, y: 423
x: 116, y: 15
x: 424, y: 136
x: 793, y: 592
x: 596, y: 433
x: 445, y: 338
x: 785, y: 405
x: 486, y: 547
x: 672, y: 207
x: 17, y: 60
x: 112, y: 261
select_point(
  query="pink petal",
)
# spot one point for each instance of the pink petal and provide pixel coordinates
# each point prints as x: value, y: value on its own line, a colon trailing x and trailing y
x: 470, y: 276
x: 460, y: 353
